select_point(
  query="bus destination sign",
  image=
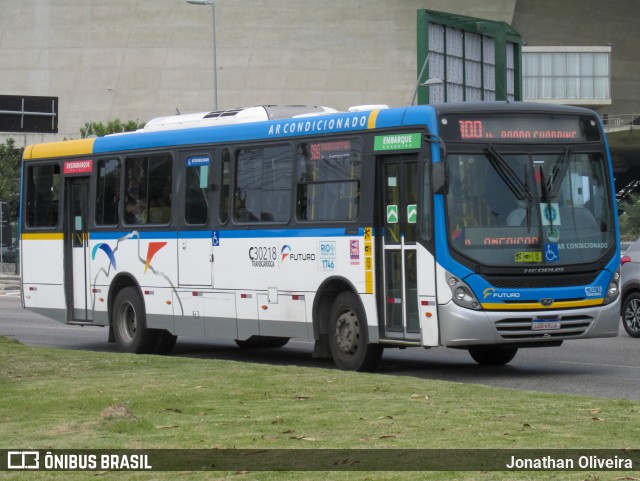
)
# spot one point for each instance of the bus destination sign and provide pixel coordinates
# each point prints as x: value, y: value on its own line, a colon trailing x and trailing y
x: 518, y: 129
x: 78, y: 167
x: 397, y: 141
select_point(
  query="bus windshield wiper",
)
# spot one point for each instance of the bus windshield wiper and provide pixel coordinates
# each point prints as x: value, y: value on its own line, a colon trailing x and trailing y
x: 546, y: 196
x: 557, y: 174
x: 508, y: 176
x: 529, y: 196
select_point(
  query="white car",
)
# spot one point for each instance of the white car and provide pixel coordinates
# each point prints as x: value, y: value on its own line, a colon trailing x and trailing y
x: 630, y: 274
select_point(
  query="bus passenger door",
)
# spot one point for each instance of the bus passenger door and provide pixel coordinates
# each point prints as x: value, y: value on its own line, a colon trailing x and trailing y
x: 76, y: 250
x: 398, y: 214
x: 195, y: 238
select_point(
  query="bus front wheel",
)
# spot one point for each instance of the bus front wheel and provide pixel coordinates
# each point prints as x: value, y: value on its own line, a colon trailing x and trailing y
x: 348, y: 336
x: 492, y: 355
x: 130, y: 325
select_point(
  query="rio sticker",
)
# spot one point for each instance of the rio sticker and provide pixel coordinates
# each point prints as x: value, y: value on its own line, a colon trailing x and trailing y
x: 327, y: 255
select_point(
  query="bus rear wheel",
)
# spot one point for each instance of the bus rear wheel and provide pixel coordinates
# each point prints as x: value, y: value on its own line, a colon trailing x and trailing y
x: 492, y: 355
x: 348, y: 336
x: 130, y: 324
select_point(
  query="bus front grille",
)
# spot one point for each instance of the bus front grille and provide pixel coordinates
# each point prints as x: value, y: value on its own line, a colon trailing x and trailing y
x: 562, y: 327
x: 558, y: 280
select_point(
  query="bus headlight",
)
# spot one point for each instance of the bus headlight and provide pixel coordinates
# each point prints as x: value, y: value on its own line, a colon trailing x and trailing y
x: 614, y: 288
x: 462, y: 293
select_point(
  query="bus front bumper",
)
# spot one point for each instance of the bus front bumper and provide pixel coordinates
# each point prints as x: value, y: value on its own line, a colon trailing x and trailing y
x: 465, y: 327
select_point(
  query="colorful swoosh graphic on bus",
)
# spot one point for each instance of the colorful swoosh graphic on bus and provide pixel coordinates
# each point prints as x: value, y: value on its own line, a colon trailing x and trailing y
x: 152, y: 249
x: 285, y: 252
x: 107, y: 250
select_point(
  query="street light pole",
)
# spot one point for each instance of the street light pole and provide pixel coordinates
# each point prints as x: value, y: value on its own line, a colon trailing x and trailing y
x: 215, y: 69
x: 427, y: 83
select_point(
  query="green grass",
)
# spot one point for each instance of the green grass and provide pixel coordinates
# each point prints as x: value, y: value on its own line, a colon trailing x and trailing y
x: 63, y: 399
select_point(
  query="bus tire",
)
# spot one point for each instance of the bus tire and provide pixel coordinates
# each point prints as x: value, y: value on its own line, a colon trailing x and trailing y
x: 166, y: 343
x: 348, y: 336
x: 130, y: 324
x: 262, y: 342
x: 492, y: 355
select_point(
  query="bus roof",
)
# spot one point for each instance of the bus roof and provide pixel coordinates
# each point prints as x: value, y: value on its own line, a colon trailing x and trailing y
x: 509, y: 107
x: 309, y: 123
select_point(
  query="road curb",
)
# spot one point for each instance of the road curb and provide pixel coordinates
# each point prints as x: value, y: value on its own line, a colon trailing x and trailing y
x: 9, y: 284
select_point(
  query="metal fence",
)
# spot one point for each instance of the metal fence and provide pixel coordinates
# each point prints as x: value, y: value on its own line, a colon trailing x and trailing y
x: 614, y: 122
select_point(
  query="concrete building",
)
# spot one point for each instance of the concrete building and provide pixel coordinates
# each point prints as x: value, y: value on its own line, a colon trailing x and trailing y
x: 139, y: 59
x: 597, y: 23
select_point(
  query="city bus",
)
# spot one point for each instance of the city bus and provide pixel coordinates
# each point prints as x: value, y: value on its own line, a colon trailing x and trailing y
x: 486, y: 226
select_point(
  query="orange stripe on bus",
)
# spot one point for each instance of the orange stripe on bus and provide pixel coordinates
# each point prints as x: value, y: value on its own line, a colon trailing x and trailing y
x: 518, y: 306
x: 43, y: 236
x: 371, y: 124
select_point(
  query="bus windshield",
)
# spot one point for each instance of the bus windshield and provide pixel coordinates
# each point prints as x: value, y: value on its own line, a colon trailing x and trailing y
x: 506, y: 208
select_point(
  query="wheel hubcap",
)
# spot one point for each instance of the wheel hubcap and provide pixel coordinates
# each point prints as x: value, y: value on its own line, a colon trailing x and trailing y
x: 128, y: 324
x: 632, y: 315
x: 348, y: 332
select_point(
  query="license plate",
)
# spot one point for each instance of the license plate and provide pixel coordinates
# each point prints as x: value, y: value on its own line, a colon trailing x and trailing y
x: 545, y: 325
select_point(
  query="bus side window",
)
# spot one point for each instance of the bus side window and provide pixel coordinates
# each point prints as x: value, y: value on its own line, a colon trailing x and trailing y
x: 148, y: 181
x: 224, y: 187
x: 328, y: 178
x: 160, y: 189
x: 197, y: 194
x: 43, y: 194
x: 108, y: 192
x: 263, y: 184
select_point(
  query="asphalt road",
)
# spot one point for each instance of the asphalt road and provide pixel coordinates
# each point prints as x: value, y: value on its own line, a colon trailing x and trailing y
x: 608, y: 368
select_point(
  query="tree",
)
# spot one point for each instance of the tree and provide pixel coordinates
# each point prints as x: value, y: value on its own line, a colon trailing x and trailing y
x: 10, y: 175
x: 630, y: 219
x: 112, y: 127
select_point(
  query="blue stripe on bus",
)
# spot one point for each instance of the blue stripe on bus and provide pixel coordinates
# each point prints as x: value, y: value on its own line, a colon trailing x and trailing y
x: 319, y: 232
x: 276, y: 129
x: 234, y: 234
x: 395, y: 117
x: 194, y: 234
x: 143, y: 235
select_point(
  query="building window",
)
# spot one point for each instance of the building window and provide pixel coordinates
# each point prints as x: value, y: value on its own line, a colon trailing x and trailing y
x: 489, y: 68
x: 466, y: 62
x: 436, y: 61
x: 572, y: 75
x: 511, y: 71
x: 473, y: 66
x: 25, y: 113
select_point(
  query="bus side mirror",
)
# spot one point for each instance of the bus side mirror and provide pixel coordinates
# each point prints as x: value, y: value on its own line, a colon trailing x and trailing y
x: 439, y: 178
